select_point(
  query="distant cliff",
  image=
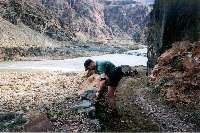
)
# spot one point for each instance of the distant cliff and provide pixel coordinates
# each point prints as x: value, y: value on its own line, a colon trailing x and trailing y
x: 89, y: 19
x: 36, y: 17
x: 109, y: 19
x: 127, y: 19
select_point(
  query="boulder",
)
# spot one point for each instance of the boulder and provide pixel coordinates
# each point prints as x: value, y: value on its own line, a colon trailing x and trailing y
x: 10, y: 121
x: 38, y: 123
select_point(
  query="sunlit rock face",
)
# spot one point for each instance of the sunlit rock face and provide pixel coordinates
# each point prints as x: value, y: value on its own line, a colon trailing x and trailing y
x: 172, y: 21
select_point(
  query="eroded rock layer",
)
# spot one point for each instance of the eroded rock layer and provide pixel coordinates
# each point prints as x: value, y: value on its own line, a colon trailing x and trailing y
x: 172, y: 21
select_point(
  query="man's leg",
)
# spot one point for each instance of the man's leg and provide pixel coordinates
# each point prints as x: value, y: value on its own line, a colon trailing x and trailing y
x: 111, y: 97
x: 114, y: 80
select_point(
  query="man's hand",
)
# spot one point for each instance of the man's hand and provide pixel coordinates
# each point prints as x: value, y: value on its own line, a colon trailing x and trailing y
x: 97, y: 94
x: 152, y: 78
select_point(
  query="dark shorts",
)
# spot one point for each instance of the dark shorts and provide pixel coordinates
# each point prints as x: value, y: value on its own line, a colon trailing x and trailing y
x: 115, y: 77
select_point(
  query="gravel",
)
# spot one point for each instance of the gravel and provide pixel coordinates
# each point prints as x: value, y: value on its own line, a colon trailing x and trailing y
x: 34, y: 91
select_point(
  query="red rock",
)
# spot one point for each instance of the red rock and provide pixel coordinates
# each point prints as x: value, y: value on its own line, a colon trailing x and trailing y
x: 166, y: 57
x: 171, y: 94
x: 181, y: 47
x: 174, y: 83
x: 188, y: 65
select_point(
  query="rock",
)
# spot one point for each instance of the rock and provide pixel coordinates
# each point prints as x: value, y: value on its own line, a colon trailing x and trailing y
x: 38, y: 18
x: 38, y: 124
x: 171, y: 94
x: 97, y: 123
x: 166, y: 57
x: 10, y: 121
x: 176, y: 73
x: 170, y: 23
x: 89, y: 83
x: 129, y: 71
x: 74, y: 114
x: 6, y: 116
x: 89, y: 95
x: 82, y: 105
x: 89, y: 19
x: 119, y: 18
x: 86, y: 107
x: 35, y: 91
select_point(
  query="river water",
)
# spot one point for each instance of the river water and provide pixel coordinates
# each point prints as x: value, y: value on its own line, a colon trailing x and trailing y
x: 132, y: 58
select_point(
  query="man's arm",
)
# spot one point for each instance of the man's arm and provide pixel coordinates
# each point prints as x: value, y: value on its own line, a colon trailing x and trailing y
x: 101, y: 84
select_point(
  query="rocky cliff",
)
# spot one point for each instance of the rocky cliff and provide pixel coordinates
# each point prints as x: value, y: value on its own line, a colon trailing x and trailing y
x: 36, y: 17
x: 88, y: 19
x: 172, y: 21
x: 174, y: 55
x: 107, y: 19
x: 54, y: 28
x: 127, y: 19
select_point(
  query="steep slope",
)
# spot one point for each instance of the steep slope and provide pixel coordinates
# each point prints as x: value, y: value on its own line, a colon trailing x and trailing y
x: 88, y: 19
x: 21, y: 36
x: 127, y: 19
x: 17, y: 42
x: 101, y: 20
x: 64, y: 20
x: 36, y: 17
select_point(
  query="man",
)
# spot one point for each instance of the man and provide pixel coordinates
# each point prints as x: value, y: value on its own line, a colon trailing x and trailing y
x: 109, y: 74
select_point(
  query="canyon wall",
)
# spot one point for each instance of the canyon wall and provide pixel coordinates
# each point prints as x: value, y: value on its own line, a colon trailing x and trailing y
x: 172, y: 21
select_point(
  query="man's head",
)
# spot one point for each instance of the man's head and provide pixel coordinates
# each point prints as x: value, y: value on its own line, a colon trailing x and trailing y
x: 89, y: 65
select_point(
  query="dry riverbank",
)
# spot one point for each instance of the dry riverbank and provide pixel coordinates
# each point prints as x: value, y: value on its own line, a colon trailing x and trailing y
x: 34, y: 91
x: 42, y: 101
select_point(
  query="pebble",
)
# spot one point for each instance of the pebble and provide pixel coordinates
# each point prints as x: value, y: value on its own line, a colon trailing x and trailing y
x: 28, y: 91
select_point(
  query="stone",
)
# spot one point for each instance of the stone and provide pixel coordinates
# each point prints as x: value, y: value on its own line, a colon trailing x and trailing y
x: 170, y: 22
x: 38, y: 124
x: 83, y: 104
x: 176, y: 73
x: 90, y: 82
x: 37, y: 18
x: 166, y: 57
x: 10, y: 121
x: 89, y: 95
x: 85, y: 107
x: 171, y: 94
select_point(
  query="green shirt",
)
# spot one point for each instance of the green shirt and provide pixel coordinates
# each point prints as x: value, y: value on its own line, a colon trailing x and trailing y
x: 104, y: 67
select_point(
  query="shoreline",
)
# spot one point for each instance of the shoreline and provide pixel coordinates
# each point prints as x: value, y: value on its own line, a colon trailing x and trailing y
x: 62, y: 52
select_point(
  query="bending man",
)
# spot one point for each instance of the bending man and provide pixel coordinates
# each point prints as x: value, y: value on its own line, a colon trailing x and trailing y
x: 109, y: 74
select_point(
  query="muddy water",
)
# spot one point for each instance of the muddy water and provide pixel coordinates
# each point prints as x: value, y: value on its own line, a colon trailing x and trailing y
x: 132, y: 58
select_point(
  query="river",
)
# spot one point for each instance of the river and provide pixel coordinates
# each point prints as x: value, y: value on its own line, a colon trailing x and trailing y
x: 132, y: 58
